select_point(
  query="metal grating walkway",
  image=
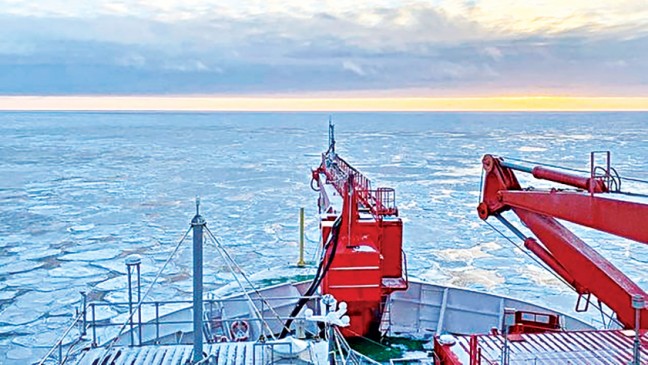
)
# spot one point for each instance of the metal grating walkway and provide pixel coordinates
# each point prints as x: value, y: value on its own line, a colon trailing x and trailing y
x: 613, y: 347
x: 224, y: 353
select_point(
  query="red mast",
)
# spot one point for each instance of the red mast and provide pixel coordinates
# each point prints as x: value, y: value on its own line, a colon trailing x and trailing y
x: 367, y: 262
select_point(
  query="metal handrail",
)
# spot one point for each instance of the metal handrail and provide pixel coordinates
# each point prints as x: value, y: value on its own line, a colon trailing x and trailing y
x: 93, y: 324
x: 404, y: 258
x: 212, y: 301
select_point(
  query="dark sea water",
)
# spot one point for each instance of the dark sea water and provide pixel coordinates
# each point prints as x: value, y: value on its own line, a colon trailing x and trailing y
x: 80, y: 191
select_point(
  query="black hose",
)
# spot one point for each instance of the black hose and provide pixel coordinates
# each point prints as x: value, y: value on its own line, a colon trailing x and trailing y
x: 311, y: 185
x: 322, y: 269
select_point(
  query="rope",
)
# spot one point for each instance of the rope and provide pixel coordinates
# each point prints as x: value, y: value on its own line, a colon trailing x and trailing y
x: 229, y: 261
x: 344, y: 345
x: 635, y: 180
x: 148, y: 290
x: 339, y: 348
x: 69, y: 351
x: 481, y: 186
x: 526, y: 252
x: 541, y: 264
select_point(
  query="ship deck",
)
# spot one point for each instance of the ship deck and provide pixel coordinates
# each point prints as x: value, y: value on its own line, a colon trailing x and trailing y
x: 607, y: 347
x: 241, y: 353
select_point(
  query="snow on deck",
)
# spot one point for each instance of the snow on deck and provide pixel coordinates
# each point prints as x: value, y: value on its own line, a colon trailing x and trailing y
x: 230, y: 353
x: 225, y: 353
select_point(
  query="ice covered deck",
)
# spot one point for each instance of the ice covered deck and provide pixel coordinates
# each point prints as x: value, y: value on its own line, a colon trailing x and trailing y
x: 612, y: 347
x: 241, y: 353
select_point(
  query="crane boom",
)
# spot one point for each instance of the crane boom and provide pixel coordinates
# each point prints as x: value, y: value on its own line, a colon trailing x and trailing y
x: 565, y: 253
x: 380, y: 202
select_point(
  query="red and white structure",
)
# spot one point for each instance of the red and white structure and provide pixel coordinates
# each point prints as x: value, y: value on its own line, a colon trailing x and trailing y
x: 366, y: 261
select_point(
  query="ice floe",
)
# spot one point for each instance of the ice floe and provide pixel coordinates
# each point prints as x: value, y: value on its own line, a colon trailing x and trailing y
x: 96, y: 255
x: 14, y: 314
x: 19, y: 267
x: 81, y: 228
x: 78, y: 270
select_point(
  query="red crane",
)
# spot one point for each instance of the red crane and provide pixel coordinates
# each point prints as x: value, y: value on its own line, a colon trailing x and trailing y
x: 591, y: 205
x: 366, y: 261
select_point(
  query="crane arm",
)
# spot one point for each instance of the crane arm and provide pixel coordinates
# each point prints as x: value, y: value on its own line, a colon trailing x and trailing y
x: 502, y: 191
x: 564, y: 252
x: 380, y: 202
x: 621, y: 218
x: 588, y: 270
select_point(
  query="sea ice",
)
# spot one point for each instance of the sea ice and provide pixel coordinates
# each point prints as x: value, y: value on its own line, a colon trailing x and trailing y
x: 7, y: 294
x: 147, y: 268
x: 34, y: 299
x: 19, y: 267
x: 46, y: 339
x: 26, y: 280
x: 15, y: 315
x: 7, y: 330
x: 36, y: 253
x: 81, y: 228
x: 73, y: 269
x: 96, y: 255
x: 19, y: 353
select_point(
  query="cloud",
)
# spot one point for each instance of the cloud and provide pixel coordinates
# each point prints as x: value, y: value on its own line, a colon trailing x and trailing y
x: 131, y: 60
x: 493, y: 52
x: 354, y: 68
x: 199, y: 46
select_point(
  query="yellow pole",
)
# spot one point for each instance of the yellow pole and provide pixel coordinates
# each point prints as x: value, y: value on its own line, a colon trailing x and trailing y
x: 301, y: 262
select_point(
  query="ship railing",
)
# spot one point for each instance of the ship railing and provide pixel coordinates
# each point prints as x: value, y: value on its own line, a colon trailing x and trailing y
x: 211, y: 322
x: 380, y: 201
x: 405, y: 271
x: 88, y: 324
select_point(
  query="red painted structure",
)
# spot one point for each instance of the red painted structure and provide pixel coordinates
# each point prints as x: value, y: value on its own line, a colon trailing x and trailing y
x: 589, y: 205
x: 368, y: 262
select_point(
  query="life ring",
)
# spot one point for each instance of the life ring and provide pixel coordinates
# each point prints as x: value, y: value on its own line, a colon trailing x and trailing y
x: 240, y: 331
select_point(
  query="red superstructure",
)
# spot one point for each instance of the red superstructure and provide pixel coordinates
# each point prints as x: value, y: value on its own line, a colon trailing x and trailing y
x: 362, y: 236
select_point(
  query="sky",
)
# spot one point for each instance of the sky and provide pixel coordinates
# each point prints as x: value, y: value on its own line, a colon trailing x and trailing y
x: 324, y: 49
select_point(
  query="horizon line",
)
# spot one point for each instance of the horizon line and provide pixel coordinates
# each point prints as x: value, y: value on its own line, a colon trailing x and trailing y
x: 292, y: 103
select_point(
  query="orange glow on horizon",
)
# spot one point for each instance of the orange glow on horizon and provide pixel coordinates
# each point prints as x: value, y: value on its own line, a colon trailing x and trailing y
x: 325, y: 104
